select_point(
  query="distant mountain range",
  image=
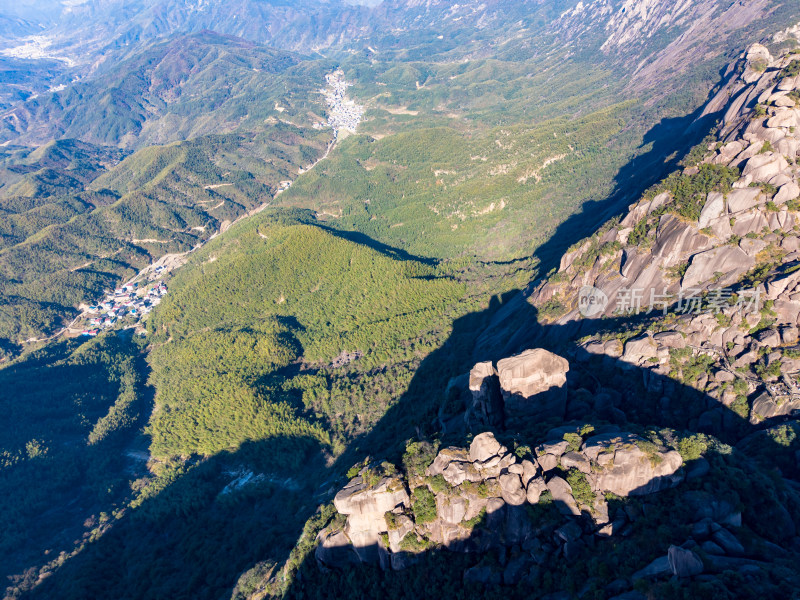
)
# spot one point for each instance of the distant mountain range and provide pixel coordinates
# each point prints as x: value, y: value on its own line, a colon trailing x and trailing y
x: 181, y: 88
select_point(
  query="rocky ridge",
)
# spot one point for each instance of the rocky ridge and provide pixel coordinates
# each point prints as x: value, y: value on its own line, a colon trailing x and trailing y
x: 473, y: 499
x: 711, y: 257
x: 554, y: 501
x: 663, y: 36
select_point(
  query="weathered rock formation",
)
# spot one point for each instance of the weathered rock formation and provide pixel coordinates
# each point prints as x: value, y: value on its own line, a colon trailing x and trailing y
x: 365, y: 507
x: 627, y: 465
x: 480, y: 493
x: 527, y: 387
x: 722, y: 258
x: 487, y: 401
x: 533, y: 385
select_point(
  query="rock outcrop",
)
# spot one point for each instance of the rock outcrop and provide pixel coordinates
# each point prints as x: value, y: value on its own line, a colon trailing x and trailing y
x: 365, y: 507
x: 709, y: 266
x: 529, y: 386
x: 716, y: 248
x: 474, y: 497
x: 487, y: 402
x: 533, y: 385
x: 627, y: 465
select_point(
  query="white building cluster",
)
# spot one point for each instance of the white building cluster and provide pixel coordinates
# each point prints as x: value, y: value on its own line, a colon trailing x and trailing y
x: 344, y: 114
x: 128, y: 301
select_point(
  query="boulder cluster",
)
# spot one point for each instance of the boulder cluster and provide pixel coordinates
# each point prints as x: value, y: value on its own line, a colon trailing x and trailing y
x: 477, y: 498
x: 483, y: 498
x: 713, y: 545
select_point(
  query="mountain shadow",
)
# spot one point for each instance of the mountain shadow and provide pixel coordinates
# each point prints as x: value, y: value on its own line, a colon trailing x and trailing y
x: 194, y: 538
x: 529, y: 551
x: 389, y: 251
x: 69, y: 447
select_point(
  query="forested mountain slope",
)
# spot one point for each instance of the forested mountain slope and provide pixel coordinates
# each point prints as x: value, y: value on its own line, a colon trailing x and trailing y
x: 346, y: 331
x: 70, y: 243
x: 179, y: 89
x: 538, y: 130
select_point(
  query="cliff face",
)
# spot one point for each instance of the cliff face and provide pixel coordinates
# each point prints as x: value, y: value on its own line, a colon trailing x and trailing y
x: 676, y: 383
x: 631, y: 24
x: 711, y: 254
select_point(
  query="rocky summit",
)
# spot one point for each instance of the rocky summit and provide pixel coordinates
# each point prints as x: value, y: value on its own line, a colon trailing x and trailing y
x: 556, y: 498
x: 473, y: 499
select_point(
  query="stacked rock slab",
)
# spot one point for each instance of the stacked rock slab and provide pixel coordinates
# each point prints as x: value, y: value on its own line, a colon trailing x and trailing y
x: 487, y: 487
x: 365, y: 508
x: 533, y: 385
x: 625, y: 469
x: 528, y: 387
